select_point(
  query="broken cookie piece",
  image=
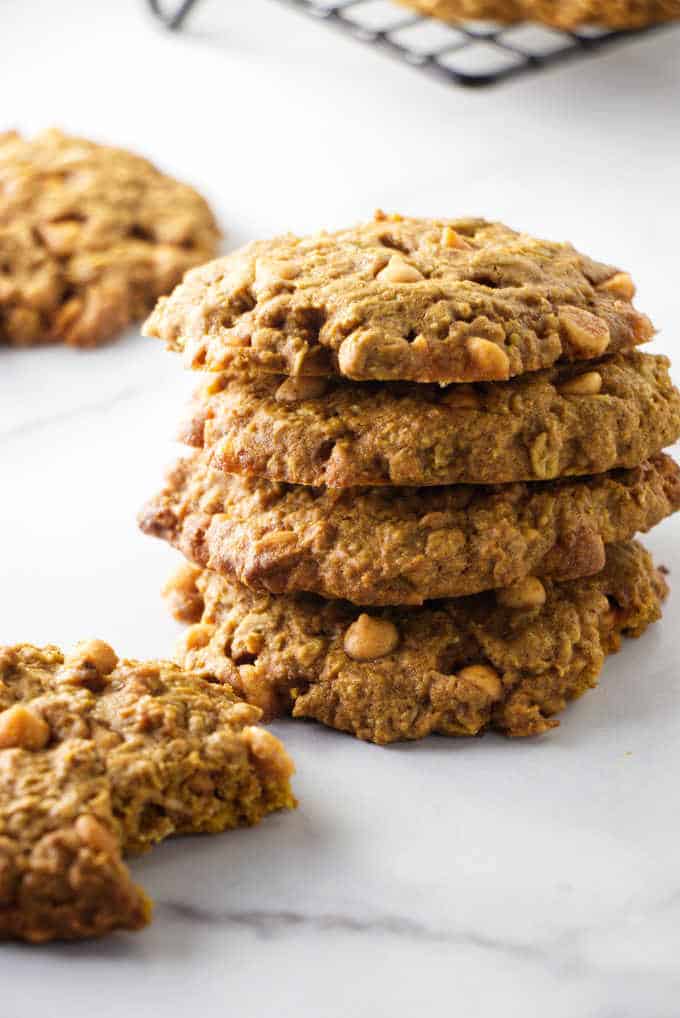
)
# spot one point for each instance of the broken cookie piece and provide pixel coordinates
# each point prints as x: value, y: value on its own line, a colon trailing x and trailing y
x: 99, y: 757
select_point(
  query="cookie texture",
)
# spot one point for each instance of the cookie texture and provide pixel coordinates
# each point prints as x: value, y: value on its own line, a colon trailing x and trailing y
x: 555, y: 423
x: 90, y: 236
x: 100, y: 757
x: 564, y: 14
x: 424, y: 300
x: 508, y: 660
x: 380, y: 546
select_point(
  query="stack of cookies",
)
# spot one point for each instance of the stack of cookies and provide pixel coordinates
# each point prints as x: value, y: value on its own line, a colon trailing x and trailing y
x: 422, y: 452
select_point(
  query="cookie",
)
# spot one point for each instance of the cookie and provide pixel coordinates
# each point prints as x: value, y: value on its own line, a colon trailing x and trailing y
x: 423, y: 300
x: 90, y: 236
x: 98, y: 757
x: 565, y: 14
x: 507, y: 660
x: 554, y: 423
x: 380, y: 546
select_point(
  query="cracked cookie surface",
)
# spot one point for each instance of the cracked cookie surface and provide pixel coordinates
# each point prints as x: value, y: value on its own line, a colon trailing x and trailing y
x: 100, y: 757
x: 508, y: 660
x: 565, y: 14
x: 403, y: 545
x: 422, y: 300
x: 90, y: 237
x: 554, y: 423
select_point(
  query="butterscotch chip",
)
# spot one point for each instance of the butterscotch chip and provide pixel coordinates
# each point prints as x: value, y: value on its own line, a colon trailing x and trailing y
x: 267, y: 752
x: 93, y: 654
x: 565, y: 14
x: 156, y: 751
x: 403, y: 545
x: 588, y: 384
x: 186, y: 605
x: 525, y: 594
x: 484, y: 678
x: 619, y: 285
x: 491, y: 362
x: 424, y: 300
x: 197, y: 636
x: 22, y: 729
x: 399, y: 271
x: 369, y: 638
x: 461, y: 665
x: 90, y: 236
x: 403, y: 434
x: 586, y: 335
x: 450, y: 238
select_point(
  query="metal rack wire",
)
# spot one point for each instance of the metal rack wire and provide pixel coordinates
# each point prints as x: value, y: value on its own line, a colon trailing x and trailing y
x: 470, y: 54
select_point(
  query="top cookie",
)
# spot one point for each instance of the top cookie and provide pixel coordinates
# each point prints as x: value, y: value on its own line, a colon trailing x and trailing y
x: 564, y: 14
x: 90, y: 236
x: 423, y: 300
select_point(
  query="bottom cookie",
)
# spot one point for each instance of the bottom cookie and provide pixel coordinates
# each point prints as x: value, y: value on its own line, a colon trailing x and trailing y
x: 508, y: 660
x: 100, y: 757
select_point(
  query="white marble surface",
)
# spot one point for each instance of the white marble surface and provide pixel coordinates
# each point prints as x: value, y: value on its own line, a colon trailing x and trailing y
x: 468, y: 878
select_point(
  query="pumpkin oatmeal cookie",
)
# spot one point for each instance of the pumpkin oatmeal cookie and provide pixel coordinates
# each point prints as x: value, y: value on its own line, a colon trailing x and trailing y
x: 565, y: 14
x: 423, y: 300
x: 508, y: 660
x: 560, y: 422
x: 403, y: 545
x: 90, y: 236
x: 99, y: 757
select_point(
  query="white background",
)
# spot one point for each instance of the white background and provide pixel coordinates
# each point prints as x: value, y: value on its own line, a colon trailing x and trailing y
x: 468, y: 878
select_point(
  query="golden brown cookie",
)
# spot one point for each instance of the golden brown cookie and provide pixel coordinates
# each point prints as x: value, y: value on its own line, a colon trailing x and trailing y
x: 565, y: 14
x: 100, y: 756
x: 555, y: 423
x: 424, y: 300
x: 379, y: 546
x: 90, y: 236
x: 507, y: 660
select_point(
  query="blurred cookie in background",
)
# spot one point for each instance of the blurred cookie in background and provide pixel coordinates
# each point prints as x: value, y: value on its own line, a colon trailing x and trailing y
x: 566, y: 14
x: 90, y: 237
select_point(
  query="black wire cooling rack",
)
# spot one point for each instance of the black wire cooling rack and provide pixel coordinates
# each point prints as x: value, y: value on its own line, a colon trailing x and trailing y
x: 472, y: 53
